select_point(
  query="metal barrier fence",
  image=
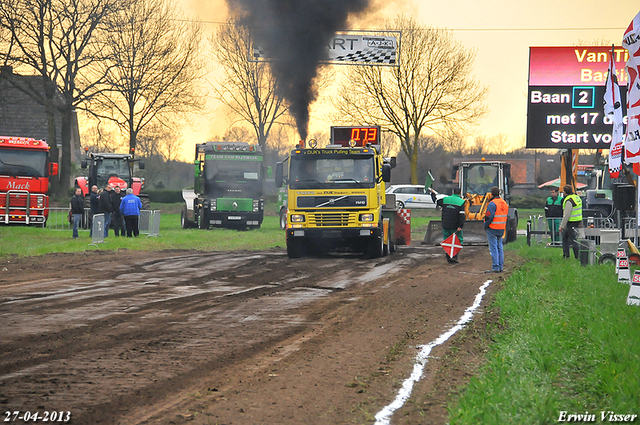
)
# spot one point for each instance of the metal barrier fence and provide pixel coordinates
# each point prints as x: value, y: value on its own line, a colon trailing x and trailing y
x: 543, y: 230
x: 97, y: 229
x: 148, y: 224
x: 59, y: 220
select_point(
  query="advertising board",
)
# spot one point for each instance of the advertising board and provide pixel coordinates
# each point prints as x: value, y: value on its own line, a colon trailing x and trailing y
x: 565, y: 97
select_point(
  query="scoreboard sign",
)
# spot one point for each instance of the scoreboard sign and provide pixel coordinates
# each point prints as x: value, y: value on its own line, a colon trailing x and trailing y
x: 566, y: 90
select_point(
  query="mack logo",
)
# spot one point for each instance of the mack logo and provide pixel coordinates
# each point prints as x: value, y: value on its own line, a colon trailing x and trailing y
x: 17, y: 186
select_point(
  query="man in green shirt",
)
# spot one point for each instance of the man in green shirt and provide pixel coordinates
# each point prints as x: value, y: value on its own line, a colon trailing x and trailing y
x: 553, y: 213
x: 453, y: 216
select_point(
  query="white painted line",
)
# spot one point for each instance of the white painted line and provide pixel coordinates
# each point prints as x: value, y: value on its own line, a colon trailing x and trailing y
x: 383, y: 417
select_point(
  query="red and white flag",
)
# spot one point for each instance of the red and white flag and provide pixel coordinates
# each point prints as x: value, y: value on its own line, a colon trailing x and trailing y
x: 451, y: 245
x: 631, y: 42
x: 613, y: 111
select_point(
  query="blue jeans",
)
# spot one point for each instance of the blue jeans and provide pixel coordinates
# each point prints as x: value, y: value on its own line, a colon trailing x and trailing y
x: 494, y: 237
x: 107, y: 223
x: 77, y: 219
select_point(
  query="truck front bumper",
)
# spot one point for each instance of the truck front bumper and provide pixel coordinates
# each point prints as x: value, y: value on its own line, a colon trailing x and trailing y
x: 334, y: 233
x: 235, y: 218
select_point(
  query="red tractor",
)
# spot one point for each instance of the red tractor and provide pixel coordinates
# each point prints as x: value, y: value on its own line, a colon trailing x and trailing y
x: 115, y: 169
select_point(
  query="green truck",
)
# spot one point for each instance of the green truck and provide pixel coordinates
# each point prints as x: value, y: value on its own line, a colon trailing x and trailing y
x: 228, y: 188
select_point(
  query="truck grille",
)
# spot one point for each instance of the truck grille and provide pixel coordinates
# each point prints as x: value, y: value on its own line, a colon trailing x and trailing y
x: 332, y: 219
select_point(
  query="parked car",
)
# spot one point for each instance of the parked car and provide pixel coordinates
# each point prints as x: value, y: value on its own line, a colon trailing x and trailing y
x: 413, y: 196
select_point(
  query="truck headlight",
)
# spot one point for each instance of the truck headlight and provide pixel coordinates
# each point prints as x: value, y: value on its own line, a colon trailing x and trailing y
x: 214, y: 205
x: 366, y: 217
x: 297, y: 218
x: 40, y: 202
x: 256, y: 205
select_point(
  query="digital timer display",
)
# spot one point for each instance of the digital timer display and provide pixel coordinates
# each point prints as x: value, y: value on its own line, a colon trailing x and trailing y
x: 361, y: 135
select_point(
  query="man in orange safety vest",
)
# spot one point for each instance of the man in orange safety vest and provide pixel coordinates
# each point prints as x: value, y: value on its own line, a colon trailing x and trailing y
x: 495, y: 223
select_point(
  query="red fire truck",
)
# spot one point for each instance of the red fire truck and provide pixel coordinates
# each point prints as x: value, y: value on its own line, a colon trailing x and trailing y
x: 24, y: 180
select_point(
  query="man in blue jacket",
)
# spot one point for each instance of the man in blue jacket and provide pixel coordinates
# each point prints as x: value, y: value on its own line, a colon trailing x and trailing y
x: 130, y: 208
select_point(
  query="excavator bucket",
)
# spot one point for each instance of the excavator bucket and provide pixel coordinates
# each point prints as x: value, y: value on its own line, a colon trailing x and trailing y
x: 473, y: 233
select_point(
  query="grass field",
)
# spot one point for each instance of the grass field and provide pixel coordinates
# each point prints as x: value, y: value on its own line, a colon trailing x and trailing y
x: 570, y: 344
x: 24, y: 241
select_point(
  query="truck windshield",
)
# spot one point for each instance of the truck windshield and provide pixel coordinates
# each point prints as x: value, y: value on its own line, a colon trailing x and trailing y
x: 114, y: 167
x: 23, y: 162
x: 332, y: 171
x: 478, y: 179
x: 233, y: 171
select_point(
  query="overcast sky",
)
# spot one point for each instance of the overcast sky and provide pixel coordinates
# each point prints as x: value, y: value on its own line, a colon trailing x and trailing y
x: 500, y: 32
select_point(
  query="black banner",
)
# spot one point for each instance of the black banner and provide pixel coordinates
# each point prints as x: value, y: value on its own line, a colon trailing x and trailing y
x: 568, y: 117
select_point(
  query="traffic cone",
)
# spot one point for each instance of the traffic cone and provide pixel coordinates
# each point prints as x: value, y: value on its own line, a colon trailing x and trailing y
x: 621, y: 253
x: 623, y: 271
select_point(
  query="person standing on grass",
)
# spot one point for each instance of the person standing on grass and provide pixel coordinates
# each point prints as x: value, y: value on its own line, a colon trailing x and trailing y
x: 130, y: 209
x: 495, y: 223
x: 105, y: 207
x: 116, y: 218
x: 453, y: 216
x: 77, y: 209
x: 553, y: 213
x: 571, y: 220
x: 94, y: 204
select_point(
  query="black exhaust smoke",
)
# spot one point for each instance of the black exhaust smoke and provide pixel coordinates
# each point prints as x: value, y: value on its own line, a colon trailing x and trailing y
x: 294, y: 35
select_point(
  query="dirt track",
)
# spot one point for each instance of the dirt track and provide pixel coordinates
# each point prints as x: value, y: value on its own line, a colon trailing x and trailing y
x: 232, y: 337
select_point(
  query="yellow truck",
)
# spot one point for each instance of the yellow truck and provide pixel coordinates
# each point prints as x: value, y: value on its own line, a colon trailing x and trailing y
x: 335, y: 194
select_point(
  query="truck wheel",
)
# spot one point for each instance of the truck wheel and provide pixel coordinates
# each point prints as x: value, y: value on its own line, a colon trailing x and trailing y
x: 283, y: 218
x: 376, y: 247
x: 185, y: 223
x: 295, y: 249
x: 203, y: 219
x: 146, y: 203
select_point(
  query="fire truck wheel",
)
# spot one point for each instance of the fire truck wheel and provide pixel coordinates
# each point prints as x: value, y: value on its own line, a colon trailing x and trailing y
x: 283, y: 218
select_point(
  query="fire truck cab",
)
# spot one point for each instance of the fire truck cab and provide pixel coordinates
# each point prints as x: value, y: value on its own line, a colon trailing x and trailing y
x: 24, y: 181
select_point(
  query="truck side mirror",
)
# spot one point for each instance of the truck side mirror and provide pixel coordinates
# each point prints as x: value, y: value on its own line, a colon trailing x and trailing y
x: 53, y: 168
x: 279, y: 173
x: 83, y: 164
x: 386, y: 173
x: 141, y: 165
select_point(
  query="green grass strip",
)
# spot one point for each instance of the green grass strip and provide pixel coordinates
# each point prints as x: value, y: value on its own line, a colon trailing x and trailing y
x: 568, y: 342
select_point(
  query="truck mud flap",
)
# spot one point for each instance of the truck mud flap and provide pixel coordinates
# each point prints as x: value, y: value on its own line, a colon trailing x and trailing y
x: 473, y: 233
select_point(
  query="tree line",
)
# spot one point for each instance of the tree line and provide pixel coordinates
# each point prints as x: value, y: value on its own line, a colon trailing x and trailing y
x: 139, y: 64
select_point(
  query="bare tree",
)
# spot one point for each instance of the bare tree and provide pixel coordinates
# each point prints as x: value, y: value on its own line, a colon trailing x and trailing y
x: 238, y: 134
x: 56, y: 39
x: 432, y: 89
x: 153, y: 70
x: 248, y: 89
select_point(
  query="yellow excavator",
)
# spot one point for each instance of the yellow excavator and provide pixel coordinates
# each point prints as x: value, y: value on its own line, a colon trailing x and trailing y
x: 476, y: 178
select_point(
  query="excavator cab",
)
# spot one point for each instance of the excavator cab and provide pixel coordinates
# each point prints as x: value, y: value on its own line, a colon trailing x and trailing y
x: 475, y: 180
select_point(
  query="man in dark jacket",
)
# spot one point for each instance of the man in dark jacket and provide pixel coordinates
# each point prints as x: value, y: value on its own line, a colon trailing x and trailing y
x: 94, y: 201
x: 116, y: 218
x: 77, y: 209
x: 453, y: 216
x: 104, y: 206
